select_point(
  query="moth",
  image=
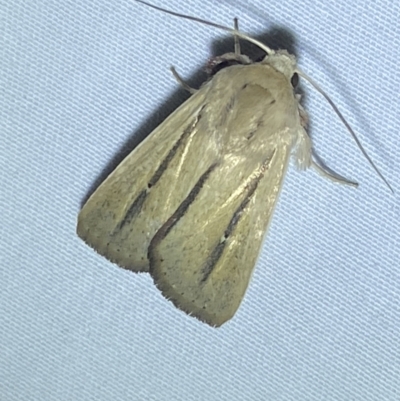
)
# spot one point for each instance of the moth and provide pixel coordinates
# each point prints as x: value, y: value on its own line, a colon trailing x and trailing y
x: 192, y: 203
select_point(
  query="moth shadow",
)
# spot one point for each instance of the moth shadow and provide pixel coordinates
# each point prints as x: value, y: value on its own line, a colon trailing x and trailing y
x: 275, y: 38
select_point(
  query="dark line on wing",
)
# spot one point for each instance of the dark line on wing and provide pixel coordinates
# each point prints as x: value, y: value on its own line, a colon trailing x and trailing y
x: 137, y: 204
x: 258, y: 125
x: 183, y: 207
x: 218, y: 250
x: 164, y: 164
x: 133, y: 211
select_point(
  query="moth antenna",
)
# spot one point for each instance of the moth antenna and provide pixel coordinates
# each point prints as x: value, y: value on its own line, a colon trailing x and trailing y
x: 237, y: 34
x: 347, y: 125
x: 234, y: 31
x: 236, y: 38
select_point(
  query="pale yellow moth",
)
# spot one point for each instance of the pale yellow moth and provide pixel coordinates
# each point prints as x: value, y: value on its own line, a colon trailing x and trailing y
x: 191, y: 204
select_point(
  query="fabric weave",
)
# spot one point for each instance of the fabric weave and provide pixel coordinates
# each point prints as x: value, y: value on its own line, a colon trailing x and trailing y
x: 82, y: 82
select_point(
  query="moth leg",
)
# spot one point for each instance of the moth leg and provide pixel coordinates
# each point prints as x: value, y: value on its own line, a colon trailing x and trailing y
x: 303, y: 158
x: 236, y: 38
x: 182, y: 82
x: 303, y: 114
x: 332, y: 176
x: 302, y: 153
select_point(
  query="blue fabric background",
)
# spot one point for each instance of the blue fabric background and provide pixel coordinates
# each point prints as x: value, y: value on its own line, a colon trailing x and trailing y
x: 81, y: 83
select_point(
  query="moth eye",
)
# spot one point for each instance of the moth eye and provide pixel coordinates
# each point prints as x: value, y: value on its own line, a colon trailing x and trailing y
x: 295, y: 80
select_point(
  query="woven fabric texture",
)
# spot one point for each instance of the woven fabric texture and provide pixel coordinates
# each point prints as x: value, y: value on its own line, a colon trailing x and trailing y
x: 82, y: 82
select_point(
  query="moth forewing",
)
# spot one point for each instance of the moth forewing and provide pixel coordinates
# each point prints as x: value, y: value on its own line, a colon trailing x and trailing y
x: 203, y: 256
x: 123, y: 214
x: 207, y: 275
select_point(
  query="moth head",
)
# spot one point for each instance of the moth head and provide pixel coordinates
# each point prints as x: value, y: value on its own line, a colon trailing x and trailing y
x: 285, y: 63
